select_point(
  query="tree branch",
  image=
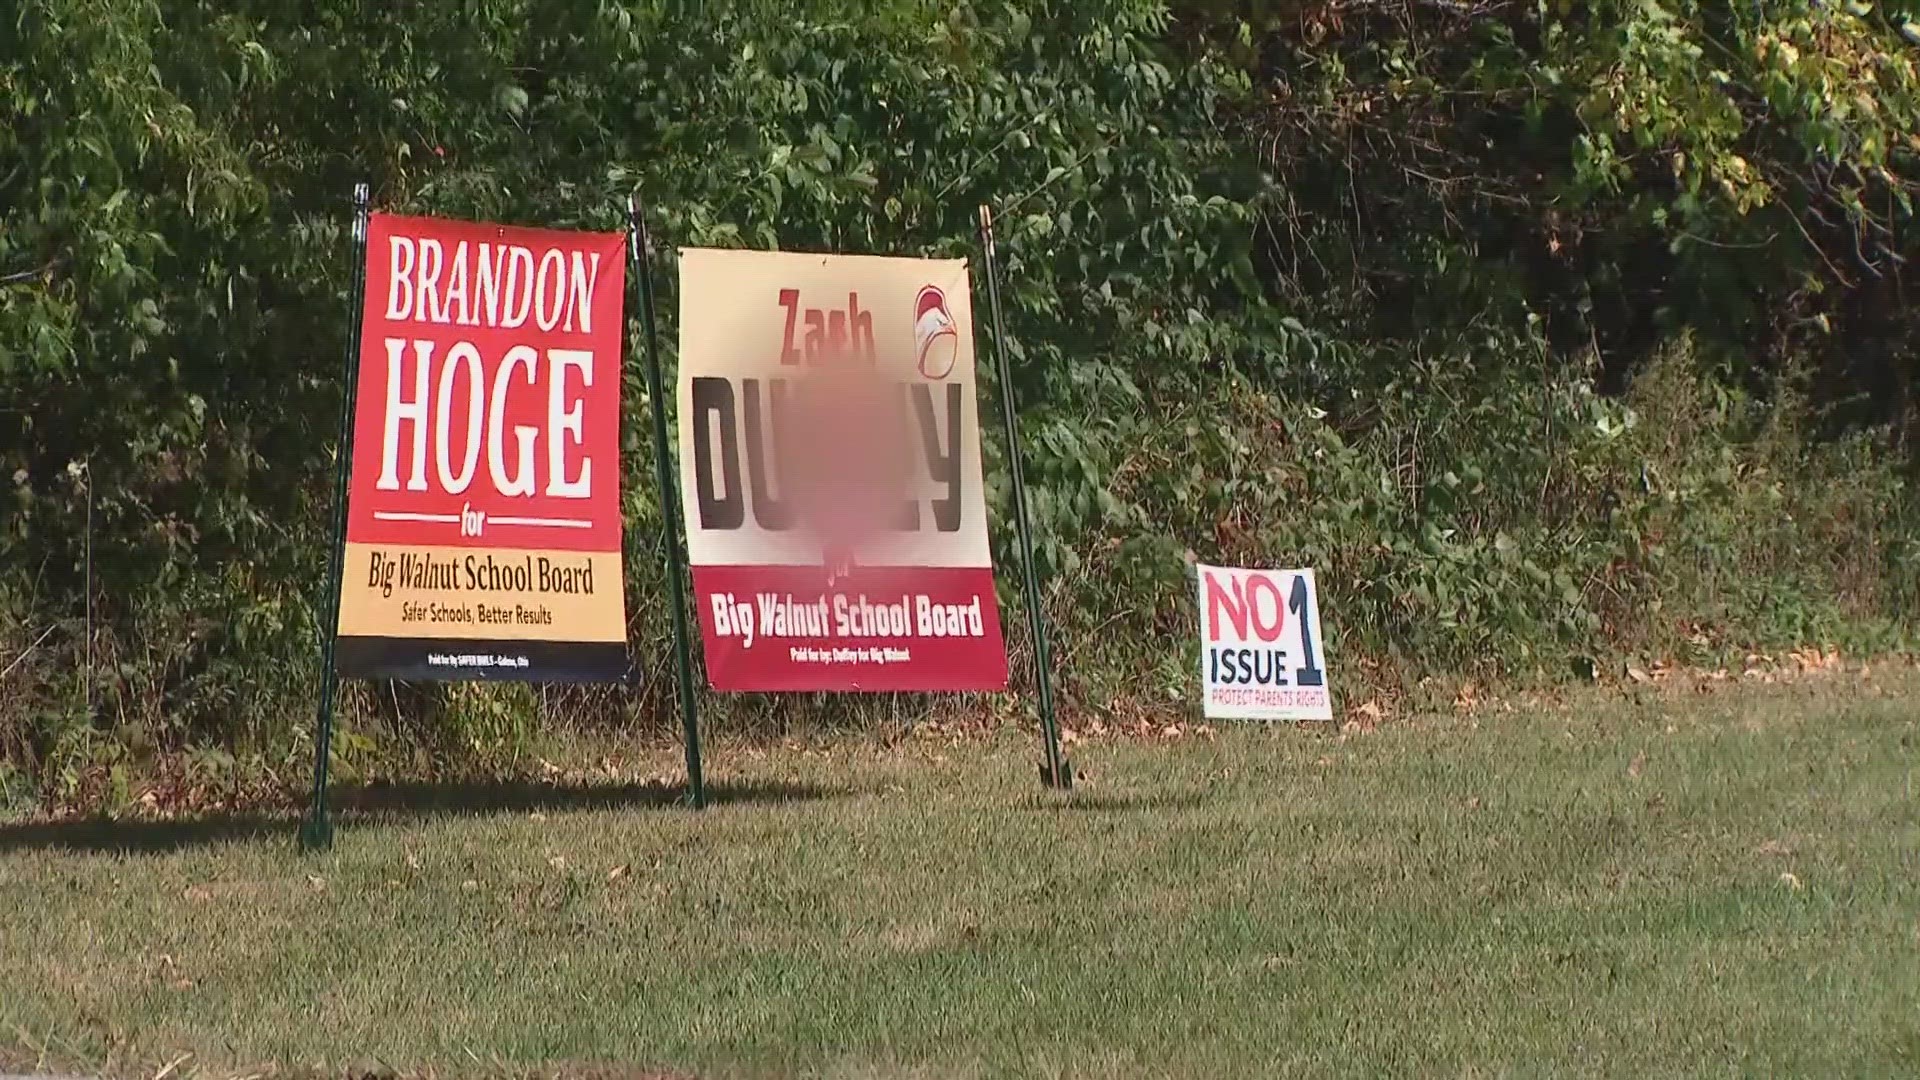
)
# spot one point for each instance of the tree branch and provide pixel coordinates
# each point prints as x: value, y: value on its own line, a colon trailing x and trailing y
x: 25, y: 275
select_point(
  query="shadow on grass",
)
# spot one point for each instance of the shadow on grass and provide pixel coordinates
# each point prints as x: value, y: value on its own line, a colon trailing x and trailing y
x: 490, y: 797
x: 378, y: 805
x: 1103, y: 802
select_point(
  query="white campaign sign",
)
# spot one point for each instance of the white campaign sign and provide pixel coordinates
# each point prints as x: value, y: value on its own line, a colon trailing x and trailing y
x: 1261, y: 653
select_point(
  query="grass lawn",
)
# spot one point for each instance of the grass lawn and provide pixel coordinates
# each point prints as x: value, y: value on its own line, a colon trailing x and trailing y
x: 1596, y: 888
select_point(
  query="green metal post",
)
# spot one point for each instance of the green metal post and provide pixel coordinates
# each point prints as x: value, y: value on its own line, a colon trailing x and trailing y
x: 639, y: 247
x: 316, y: 832
x: 1056, y: 771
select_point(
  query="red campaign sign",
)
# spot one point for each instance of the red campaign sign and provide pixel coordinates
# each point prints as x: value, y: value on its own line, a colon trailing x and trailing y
x: 489, y: 390
x: 483, y: 513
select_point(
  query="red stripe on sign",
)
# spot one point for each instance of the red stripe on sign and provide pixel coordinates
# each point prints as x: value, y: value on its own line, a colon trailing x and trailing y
x: 873, y: 628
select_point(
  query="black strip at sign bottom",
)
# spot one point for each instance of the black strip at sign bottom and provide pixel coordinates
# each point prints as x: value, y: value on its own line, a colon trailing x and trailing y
x: 471, y: 660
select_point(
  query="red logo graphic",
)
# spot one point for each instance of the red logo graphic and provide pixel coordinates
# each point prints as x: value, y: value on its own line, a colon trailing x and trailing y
x: 934, y: 336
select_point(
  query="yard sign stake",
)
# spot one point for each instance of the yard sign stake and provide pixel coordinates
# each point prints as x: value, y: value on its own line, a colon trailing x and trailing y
x: 316, y: 833
x: 639, y: 246
x: 1056, y: 771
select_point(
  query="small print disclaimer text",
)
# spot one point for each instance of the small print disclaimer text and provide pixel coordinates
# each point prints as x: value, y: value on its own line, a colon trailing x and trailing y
x: 882, y: 655
x: 475, y: 660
